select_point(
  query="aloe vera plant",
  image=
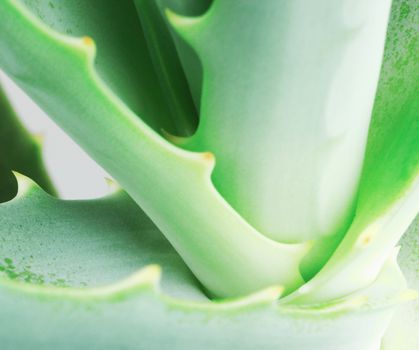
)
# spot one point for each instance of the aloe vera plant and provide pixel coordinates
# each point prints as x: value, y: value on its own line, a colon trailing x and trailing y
x: 272, y: 147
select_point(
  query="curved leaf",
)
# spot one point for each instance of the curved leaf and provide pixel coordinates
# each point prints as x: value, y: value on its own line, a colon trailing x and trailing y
x: 229, y: 256
x: 124, y: 60
x: 190, y: 61
x: 257, y: 262
x: 388, y: 199
x: 402, y: 333
x: 168, y: 66
x: 18, y: 151
x: 49, y: 241
x: 64, y: 259
x: 286, y: 104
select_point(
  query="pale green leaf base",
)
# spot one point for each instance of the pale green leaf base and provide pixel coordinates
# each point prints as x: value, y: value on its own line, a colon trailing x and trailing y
x: 55, y: 256
x: 402, y: 332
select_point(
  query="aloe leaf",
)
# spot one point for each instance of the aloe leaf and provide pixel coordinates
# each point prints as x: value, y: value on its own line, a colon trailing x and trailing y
x: 81, y: 242
x: 388, y: 199
x: 72, y: 279
x: 401, y: 333
x: 124, y: 62
x: 257, y: 262
x: 189, y: 59
x: 167, y: 182
x: 168, y: 66
x: 286, y: 104
x: 18, y: 151
x: 393, y: 143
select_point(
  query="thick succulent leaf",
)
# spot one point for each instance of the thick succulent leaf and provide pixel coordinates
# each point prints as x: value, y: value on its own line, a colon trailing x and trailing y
x: 286, y: 104
x: 392, y: 157
x: 61, y: 289
x: 168, y: 66
x: 18, y: 151
x: 189, y: 59
x: 402, y: 332
x: 361, y: 254
x: 124, y: 60
x: 388, y: 199
x: 260, y: 260
x: 173, y: 186
x: 48, y: 241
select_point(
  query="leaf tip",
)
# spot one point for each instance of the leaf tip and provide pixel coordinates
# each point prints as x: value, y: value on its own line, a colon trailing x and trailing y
x: 88, y: 41
x: 89, y: 45
x: 208, y: 161
x: 409, y: 295
x: 275, y: 292
x: 368, y: 235
x: 176, y: 140
x: 183, y: 24
x: 113, y: 186
x: 208, y: 157
x: 150, y: 274
x: 25, y: 184
x: 39, y: 139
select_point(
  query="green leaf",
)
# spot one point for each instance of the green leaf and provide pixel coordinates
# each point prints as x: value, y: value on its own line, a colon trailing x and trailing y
x: 61, y: 288
x: 402, y: 332
x: 124, y: 62
x: 19, y: 151
x: 205, y: 235
x: 286, y: 104
x: 229, y: 256
x: 388, y: 199
x: 79, y: 243
x: 392, y: 157
x: 168, y: 66
x: 190, y: 61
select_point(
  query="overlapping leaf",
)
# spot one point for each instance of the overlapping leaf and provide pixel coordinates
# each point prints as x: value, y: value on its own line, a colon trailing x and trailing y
x: 125, y: 62
x: 188, y: 171
x: 167, y: 182
x: 66, y: 284
x: 18, y: 151
x: 388, y: 198
x: 286, y: 103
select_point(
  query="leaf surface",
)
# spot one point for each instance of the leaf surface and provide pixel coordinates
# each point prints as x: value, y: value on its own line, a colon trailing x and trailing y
x: 166, y: 181
x: 124, y: 59
x: 66, y: 284
x: 402, y: 330
x: 287, y: 97
x: 388, y: 199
